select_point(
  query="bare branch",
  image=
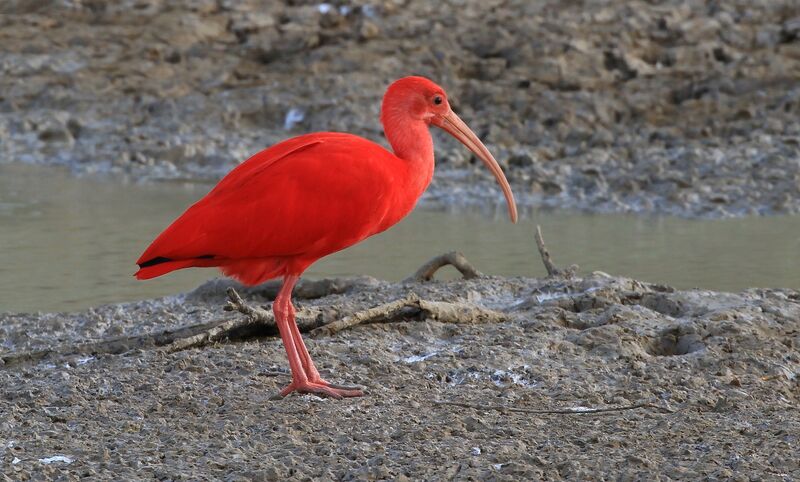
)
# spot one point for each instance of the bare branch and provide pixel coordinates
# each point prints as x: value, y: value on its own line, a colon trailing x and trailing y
x: 548, y: 262
x: 545, y: 254
x: 236, y: 303
x: 463, y: 313
x: 411, y: 305
x: 453, y: 258
x: 260, y: 316
x: 212, y: 334
x: 383, y: 312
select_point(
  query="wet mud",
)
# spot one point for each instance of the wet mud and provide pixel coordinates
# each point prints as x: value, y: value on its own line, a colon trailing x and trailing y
x: 699, y: 385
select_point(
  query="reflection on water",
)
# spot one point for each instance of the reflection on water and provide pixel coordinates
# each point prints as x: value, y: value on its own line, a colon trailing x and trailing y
x: 67, y: 243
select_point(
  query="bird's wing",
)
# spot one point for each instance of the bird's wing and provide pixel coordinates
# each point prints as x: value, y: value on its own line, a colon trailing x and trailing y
x: 305, y: 197
x: 248, y: 170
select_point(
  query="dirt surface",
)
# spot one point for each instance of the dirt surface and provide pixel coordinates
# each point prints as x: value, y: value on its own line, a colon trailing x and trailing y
x: 682, y: 107
x: 718, y: 372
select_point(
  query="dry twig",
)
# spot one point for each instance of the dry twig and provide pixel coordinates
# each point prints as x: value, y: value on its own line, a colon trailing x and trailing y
x: 551, y: 268
x: 383, y: 312
x: 563, y: 411
x: 260, y: 316
x: 412, y: 305
x: 453, y: 258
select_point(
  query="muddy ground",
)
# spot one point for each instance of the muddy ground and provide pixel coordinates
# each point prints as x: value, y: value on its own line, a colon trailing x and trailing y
x: 681, y: 107
x: 717, y: 373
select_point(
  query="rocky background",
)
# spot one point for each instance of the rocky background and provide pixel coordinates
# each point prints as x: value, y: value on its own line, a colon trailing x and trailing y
x: 682, y: 107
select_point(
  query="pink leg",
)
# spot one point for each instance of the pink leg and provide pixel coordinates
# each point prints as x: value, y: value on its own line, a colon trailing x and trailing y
x: 311, y: 371
x: 299, y: 360
x: 308, y: 365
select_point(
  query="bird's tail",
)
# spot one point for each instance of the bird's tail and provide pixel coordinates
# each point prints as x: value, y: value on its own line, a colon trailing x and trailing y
x: 249, y: 271
x: 160, y: 266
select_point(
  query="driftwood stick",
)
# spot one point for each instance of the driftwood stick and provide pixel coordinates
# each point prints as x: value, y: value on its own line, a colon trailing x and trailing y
x: 551, y: 268
x: 464, y: 313
x: 255, y: 317
x: 453, y: 258
x: 236, y: 303
x: 210, y: 335
x: 545, y: 254
x: 260, y: 316
x: 563, y: 411
x: 383, y: 312
x: 412, y: 305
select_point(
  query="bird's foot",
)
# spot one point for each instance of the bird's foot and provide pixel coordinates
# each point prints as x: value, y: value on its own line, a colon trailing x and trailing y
x: 321, y: 387
x: 351, y: 388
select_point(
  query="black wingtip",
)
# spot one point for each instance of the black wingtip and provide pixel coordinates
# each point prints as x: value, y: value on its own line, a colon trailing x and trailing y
x: 154, y: 261
x: 161, y: 259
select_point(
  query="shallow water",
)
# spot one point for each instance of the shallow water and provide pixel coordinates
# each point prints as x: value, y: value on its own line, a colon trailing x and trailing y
x: 67, y: 243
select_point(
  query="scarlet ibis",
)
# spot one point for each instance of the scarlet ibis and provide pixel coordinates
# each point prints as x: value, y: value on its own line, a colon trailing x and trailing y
x: 312, y: 195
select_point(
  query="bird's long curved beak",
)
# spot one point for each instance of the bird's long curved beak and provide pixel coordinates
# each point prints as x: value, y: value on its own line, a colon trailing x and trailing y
x: 454, y: 126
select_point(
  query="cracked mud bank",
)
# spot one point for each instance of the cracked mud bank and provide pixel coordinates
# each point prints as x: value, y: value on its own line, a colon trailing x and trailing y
x: 687, y: 108
x: 716, y: 373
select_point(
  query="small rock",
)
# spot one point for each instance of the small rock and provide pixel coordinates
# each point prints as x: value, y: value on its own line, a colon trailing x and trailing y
x: 368, y: 31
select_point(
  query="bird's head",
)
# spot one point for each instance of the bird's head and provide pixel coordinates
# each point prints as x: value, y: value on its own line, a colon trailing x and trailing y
x: 419, y: 99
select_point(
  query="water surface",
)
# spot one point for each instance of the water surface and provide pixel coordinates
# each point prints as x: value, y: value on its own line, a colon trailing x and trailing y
x: 68, y: 243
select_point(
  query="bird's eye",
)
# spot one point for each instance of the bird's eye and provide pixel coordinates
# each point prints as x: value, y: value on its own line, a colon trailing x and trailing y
x: 437, y: 100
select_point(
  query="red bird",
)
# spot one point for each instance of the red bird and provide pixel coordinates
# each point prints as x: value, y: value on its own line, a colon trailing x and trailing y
x: 310, y: 196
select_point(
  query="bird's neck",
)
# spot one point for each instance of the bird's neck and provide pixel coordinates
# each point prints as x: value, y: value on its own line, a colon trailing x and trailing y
x: 411, y: 141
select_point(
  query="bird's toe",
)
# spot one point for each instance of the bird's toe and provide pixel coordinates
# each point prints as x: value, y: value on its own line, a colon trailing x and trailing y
x: 320, y: 389
x: 350, y: 388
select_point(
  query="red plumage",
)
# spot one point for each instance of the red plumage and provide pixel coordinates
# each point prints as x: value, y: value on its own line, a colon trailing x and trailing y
x: 307, y: 197
x: 286, y: 207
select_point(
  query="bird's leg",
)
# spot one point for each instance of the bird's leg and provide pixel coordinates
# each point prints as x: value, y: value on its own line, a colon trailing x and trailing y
x: 311, y: 371
x: 281, y: 319
x: 308, y: 365
x: 301, y: 381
